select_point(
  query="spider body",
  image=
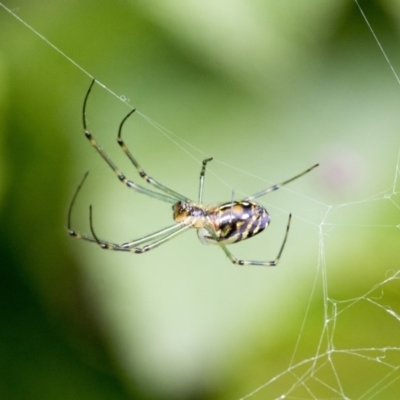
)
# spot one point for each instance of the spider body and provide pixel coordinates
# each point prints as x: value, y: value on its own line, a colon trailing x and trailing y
x: 222, y: 224
x: 231, y: 222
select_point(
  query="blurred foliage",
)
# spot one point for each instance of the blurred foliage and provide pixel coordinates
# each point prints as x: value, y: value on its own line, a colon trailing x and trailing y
x: 269, y: 88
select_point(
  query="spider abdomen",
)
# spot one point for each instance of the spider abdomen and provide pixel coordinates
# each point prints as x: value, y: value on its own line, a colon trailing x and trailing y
x: 235, y: 221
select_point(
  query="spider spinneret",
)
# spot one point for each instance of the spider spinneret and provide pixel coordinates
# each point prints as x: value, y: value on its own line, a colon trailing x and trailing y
x: 220, y: 225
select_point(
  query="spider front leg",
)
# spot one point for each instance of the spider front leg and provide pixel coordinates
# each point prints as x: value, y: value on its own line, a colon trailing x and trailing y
x: 251, y: 262
x: 167, y: 197
x: 140, y: 170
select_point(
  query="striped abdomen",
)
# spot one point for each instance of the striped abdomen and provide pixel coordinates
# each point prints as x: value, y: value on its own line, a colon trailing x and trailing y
x: 235, y: 221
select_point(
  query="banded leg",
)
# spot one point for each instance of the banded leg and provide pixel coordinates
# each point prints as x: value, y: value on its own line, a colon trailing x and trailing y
x: 279, y: 185
x: 259, y: 263
x: 168, y: 233
x: 202, y: 173
x: 71, y: 232
x: 169, y: 198
x: 176, y: 229
x: 140, y: 170
x: 165, y: 234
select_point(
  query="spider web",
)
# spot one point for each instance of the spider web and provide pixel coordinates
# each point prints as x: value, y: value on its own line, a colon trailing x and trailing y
x: 347, y: 346
x: 348, y: 363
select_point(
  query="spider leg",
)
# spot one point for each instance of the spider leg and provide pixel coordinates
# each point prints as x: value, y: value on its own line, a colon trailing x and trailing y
x: 279, y: 185
x: 140, y: 170
x: 71, y: 231
x: 169, y: 198
x: 236, y: 261
x: 129, y: 247
x: 165, y: 234
x: 202, y: 173
x: 153, y: 236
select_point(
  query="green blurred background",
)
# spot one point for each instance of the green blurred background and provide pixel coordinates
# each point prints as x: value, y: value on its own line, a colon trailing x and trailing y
x: 268, y: 88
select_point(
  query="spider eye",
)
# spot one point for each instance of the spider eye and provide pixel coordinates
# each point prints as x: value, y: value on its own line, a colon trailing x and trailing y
x: 178, y: 207
x: 180, y: 210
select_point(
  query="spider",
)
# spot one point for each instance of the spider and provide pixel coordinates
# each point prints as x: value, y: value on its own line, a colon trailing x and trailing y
x: 221, y: 224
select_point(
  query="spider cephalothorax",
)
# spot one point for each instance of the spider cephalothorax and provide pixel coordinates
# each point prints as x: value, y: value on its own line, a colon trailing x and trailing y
x: 221, y: 225
x: 188, y: 213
